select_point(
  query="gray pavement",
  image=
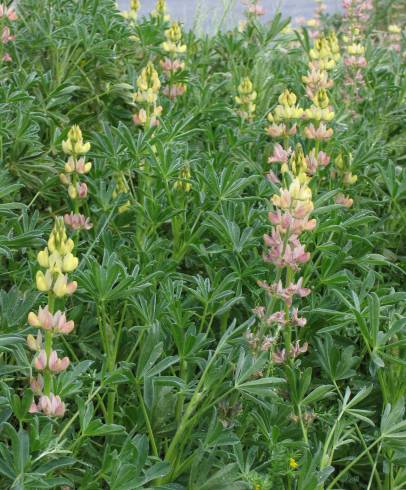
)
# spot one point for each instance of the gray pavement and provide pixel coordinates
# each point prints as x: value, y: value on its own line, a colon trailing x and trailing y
x: 208, y: 15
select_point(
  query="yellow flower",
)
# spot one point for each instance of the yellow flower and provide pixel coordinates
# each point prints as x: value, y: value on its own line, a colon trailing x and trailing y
x: 160, y: 10
x: 293, y: 464
x: 43, y: 281
x: 74, y: 144
x: 349, y: 178
x: 394, y: 29
x: 356, y: 49
x: 70, y: 262
x: 43, y: 258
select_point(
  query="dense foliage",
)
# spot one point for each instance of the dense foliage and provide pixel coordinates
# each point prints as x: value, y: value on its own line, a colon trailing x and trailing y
x: 145, y: 338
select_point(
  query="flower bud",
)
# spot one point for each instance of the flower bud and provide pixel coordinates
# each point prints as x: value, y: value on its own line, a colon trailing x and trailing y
x: 72, y: 192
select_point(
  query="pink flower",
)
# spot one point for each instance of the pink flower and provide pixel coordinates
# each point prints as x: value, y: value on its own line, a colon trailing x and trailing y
x: 173, y: 91
x: 296, y: 320
x: 279, y: 357
x: 296, y: 350
x: 291, y: 254
x: 272, y: 177
x: 46, y: 320
x: 313, y: 161
x: 296, y: 224
x: 57, y: 365
x: 169, y: 65
x: 81, y: 188
x: 280, y: 155
x: 81, y: 166
x: 259, y: 311
x: 37, y: 385
x: 6, y: 36
x: 11, y: 14
x: 51, y: 406
x: 286, y: 294
x: 61, y: 325
x: 320, y: 133
x: 344, y: 200
x: 267, y: 343
x: 256, y: 10
x: 281, y: 130
x: 7, y: 57
x: 141, y: 118
x: 33, y: 408
x: 277, y: 317
x: 7, y: 12
x: 40, y: 362
x: 77, y: 221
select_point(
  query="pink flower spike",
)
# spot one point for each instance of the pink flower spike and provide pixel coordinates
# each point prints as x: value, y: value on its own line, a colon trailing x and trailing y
x: 7, y: 58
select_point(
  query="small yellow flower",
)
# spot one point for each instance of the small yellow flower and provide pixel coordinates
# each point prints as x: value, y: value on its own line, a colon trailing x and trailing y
x: 43, y: 281
x: 293, y: 464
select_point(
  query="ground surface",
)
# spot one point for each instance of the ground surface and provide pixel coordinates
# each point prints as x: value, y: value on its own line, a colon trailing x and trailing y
x: 208, y: 13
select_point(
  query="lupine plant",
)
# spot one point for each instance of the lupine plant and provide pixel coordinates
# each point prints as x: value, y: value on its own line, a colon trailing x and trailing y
x: 204, y: 290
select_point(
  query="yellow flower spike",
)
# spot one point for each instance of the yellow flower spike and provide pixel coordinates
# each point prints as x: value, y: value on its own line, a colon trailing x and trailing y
x: 184, y: 180
x: 43, y: 281
x: 74, y: 144
x: 135, y: 5
x: 174, y: 33
x: 245, y: 86
x: 43, y: 258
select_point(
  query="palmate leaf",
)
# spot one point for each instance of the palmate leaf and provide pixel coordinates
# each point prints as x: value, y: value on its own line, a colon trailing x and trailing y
x: 108, y: 281
x: 15, y: 306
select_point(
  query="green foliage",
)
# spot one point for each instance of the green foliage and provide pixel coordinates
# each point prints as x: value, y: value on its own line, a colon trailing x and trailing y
x: 163, y: 391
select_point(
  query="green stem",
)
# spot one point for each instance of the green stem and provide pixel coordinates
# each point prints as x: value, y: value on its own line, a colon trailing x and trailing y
x: 146, y: 418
